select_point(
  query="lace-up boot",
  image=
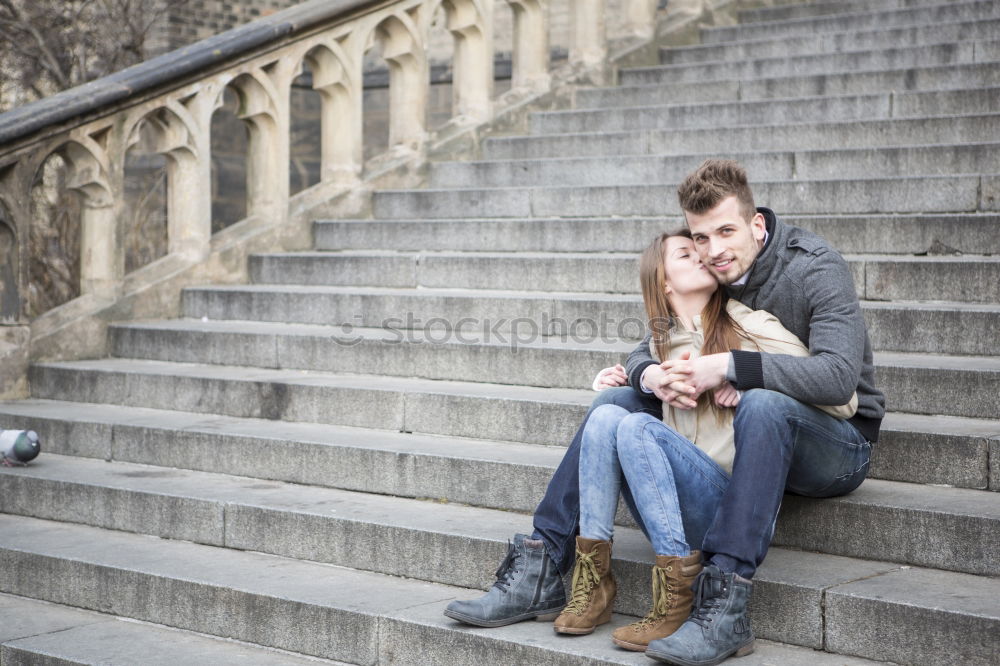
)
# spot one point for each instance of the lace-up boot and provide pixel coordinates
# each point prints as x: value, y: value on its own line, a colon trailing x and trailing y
x: 673, y: 579
x: 593, y: 589
x: 718, y: 626
x: 528, y: 585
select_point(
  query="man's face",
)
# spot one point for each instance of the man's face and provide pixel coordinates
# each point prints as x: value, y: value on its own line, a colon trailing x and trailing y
x: 726, y: 243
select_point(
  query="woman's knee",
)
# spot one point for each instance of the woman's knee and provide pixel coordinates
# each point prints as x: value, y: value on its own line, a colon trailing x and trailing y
x: 604, y: 419
x: 632, y: 427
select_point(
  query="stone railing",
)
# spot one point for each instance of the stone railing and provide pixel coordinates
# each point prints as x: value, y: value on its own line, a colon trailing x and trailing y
x: 172, y: 99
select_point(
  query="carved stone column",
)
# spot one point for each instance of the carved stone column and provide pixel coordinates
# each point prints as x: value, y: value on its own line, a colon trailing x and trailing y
x: 531, y: 45
x: 640, y: 17
x: 589, y: 50
x: 470, y: 22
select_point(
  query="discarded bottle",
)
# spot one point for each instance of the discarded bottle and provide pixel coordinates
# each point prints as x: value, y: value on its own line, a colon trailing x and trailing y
x: 18, y: 447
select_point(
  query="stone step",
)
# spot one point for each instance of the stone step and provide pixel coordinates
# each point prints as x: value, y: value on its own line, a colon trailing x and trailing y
x: 523, y: 357
x: 764, y: 46
x: 403, y: 404
x: 904, y: 378
x: 884, y: 234
x: 960, y: 278
x: 937, y: 449
x: 502, y: 475
x: 613, y: 106
x: 911, y: 382
x: 801, y: 136
x: 909, y: 79
x: 364, y: 617
x: 923, y: 194
x: 492, y: 474
x: 907, y: 161
x: 816, y: 8
x: 912, y: 448
x: 942, y: 528
x: 965, y: 52
x: 913, y: 16
x: 38, y: 632
x: 912, y: 326
x: 467, y: 309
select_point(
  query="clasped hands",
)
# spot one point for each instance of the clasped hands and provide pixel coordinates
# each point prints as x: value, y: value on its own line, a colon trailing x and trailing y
x: 680, y: 381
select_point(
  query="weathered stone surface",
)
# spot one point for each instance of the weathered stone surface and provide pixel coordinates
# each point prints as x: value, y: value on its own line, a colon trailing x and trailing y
x: 953, y: 617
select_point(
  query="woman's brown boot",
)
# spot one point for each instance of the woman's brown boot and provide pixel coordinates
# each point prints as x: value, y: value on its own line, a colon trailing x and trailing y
x: 673, y: 577
x: 593, y: 590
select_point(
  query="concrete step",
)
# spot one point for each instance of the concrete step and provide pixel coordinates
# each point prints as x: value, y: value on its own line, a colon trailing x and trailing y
x: 38, y: 632
x: 964, y: 278
x: 884, y: 234
x: 922, y: 194
x: 649, y: 102
x: 492, y: 474
x: 523, y: 357
x: 953, y: 328
x: 414, y: 345
x: 886, y: 162
x: 403, y: 404
x: 946, y: 450
x: 910, y: 79
x: 764, y: 46
x: 815, y: 8
x: 872, y: 60
x: 503, y: 475
x: 959, y: 278
x: 802, y: 136
x: 911, y: 382
x: 901, y: 374
x: 942, y: 528
x: 466, y: 309
x: 913, y: 16
x: 362, y: 617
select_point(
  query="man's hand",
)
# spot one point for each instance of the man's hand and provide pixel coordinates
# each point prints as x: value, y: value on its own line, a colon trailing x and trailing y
x: 610, y: 377
x: 668, y: 382
x: 680, y: 381
x: 726, y: 395
x: 708, y: 372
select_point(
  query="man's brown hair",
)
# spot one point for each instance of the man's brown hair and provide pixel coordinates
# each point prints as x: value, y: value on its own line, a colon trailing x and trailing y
x: 712, y: 182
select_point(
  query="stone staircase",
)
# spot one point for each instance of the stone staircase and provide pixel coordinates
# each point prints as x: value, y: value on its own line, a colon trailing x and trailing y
x: 310, y: 466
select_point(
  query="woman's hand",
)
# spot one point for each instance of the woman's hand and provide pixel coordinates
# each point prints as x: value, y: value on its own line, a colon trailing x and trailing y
x: 610, y: 377
x: 727, y: 395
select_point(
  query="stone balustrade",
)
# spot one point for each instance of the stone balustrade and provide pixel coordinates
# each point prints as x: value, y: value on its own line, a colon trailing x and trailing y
x: 170, y: 100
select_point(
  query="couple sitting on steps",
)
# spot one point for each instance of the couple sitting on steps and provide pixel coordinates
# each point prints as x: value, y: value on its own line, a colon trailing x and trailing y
x: 756, y: 379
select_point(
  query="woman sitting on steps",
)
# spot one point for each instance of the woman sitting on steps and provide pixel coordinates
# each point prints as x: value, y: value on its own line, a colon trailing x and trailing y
x: 674, y: 470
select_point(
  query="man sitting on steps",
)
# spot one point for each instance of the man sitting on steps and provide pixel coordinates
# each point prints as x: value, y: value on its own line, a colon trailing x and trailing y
x: 781, y: 443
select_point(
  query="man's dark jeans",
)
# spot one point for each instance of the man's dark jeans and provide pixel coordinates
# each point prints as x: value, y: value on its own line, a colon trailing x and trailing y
x: 782, y: 445
x: 557, y: 517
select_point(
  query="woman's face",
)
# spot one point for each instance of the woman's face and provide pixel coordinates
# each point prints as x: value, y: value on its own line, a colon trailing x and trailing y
x: 685, y: 272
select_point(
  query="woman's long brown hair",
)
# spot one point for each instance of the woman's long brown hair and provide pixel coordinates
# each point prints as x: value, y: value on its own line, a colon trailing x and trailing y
x: 722, y: 333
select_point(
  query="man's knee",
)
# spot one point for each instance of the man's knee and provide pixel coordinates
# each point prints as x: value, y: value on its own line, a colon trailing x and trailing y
x: 764, y: 405
x: 625, y: 397
x: 610, y: 396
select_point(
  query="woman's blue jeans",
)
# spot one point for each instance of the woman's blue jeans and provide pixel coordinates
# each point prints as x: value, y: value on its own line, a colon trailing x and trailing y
x: 672, y: 487
x: 558, y: 514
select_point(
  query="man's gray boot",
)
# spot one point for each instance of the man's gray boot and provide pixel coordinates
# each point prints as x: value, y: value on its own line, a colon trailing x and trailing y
x: 718, y: 626
x: 528, y: 586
